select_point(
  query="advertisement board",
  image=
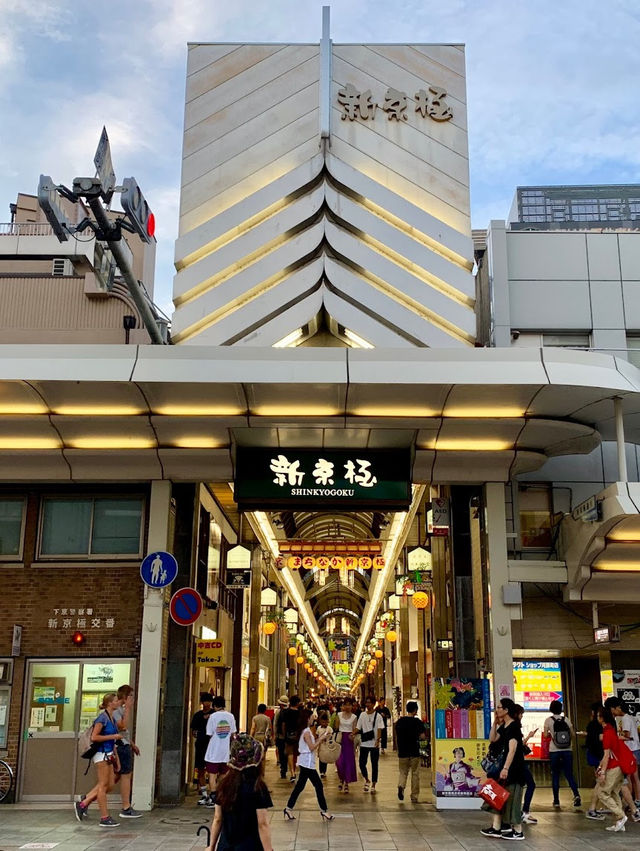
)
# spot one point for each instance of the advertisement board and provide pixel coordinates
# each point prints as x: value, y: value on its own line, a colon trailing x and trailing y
x: 536, y: 684
x: 457, y: 769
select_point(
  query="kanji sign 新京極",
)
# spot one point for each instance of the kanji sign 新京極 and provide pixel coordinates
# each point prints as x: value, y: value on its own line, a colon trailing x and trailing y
x: 353, y: 478
x: 429, y: 104
x: 209, y: 653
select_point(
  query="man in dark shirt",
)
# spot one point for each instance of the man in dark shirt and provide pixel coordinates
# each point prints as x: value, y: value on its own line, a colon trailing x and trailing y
x: 409, y: 731
x: 199, y: 731
x: 288, y: 723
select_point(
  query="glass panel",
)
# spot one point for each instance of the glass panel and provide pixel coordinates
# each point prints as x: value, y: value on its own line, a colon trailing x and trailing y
x: 213, y: 558
x: 54, y: 688
x: 65, y: 527
x: 5, y: 691
x: 633, y: 350
x: 11, y: 526
x: 116, y: 526
x: 98, y: 680
x: 535, y: 517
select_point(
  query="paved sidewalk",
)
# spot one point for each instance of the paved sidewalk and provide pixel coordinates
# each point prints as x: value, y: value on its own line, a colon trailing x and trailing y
x: 363, y: 823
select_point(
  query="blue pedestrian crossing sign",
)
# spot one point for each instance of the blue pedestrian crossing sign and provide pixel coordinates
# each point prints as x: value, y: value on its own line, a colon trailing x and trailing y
x: 159, y: 569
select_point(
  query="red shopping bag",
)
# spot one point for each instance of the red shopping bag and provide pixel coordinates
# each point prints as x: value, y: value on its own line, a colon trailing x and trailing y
x: 493, y: 794
x: 544, y: 747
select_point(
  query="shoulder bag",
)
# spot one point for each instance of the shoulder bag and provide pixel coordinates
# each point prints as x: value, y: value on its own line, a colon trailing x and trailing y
x: 329, y: 750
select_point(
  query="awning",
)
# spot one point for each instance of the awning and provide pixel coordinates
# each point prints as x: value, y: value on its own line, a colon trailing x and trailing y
x: 100, y: 413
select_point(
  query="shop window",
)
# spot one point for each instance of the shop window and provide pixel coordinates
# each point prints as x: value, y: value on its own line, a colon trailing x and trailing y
x: 213, y: 558
x: 534, y: 505
x: 12, y: 511
x: 91, y: 526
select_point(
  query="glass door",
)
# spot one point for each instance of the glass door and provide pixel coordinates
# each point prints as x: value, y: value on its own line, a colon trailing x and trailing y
x: 61, y: 699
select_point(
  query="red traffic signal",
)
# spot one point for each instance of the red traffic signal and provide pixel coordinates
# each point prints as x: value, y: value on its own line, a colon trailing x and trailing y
x: 137, y: 210
x: 78, y: 638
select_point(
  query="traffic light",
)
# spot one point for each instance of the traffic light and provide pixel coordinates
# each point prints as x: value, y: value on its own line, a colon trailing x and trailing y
x: 48, y: 200
x: 137, y: 210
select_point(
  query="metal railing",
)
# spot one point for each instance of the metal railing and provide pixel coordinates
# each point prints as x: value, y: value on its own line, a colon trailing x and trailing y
x: 25, y: 229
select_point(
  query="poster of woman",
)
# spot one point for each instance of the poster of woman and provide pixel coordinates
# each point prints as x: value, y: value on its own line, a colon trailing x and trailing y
x: 458, y: 773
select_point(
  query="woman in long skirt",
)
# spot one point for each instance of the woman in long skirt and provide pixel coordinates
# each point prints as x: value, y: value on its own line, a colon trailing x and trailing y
x: 346, y: 763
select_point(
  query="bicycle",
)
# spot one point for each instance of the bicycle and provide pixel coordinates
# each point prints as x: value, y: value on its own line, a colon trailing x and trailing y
x: 6, y: 780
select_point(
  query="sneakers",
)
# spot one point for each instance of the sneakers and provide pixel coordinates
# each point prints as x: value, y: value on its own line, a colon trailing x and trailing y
x: 203, y: 800
x: 211, y: 801
x: 491, y: 833
x: 400, y: 793
x: 130, y: 813
x: 577, y: 801
x: 512, y: 834
x: 594, y: 815
x: 79, y: 811
x: 527, y: 818
x: 618, y: 826
x: 556, y: 804
x: 108, y: 822
x: 636, y: 816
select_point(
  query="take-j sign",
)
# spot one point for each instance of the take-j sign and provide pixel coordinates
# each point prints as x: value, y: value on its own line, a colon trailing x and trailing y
x: 356, y: 478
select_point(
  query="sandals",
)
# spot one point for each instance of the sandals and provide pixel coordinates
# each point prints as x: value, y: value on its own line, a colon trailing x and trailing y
x: 366, y: 786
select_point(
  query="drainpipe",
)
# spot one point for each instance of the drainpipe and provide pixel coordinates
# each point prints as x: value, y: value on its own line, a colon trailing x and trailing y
x: 622, y: 457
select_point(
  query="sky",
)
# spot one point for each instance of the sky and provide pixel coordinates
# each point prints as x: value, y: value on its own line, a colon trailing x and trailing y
x: 552, y: 87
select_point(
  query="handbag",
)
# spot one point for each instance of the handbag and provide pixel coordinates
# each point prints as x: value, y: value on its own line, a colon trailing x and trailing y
x: 493, y: 794
x: 329, y: 750
x: 493, y: 763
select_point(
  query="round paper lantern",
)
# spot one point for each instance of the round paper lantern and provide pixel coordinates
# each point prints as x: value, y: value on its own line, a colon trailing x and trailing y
x: 316, y: 674
x: 351, y: 562
x: 379, y: 654
x: 294, y: 562
x: 292, y: 651
x: 420, y: 600
x: 300, y: 660
x: 269, y: 628
x: 308, y: 562
x: 378, y: 562
x: 337, y: 562
x: 392, y: 636
x: 364, y: 563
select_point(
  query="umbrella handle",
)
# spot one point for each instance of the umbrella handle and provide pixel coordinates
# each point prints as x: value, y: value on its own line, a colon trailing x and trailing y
x: 204, y: 827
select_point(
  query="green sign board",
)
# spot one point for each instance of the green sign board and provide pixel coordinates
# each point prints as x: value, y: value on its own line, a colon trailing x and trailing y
x: 340, y: 478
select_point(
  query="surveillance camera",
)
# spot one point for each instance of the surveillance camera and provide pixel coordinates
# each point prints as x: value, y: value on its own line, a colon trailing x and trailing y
x: 515, y: 335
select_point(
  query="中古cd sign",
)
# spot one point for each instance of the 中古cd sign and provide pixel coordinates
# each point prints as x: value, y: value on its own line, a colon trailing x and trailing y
x: 358, y: 478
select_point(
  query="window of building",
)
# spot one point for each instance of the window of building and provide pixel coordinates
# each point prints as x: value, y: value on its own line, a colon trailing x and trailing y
x: 633, y: 350
x: 89, y: 526
x: 12, y: 511
x: 567, y: 341
x: 535, y: 510
x: 213, y: 559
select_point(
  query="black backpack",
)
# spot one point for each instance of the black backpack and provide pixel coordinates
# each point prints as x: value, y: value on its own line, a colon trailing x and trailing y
x: 561, y: 733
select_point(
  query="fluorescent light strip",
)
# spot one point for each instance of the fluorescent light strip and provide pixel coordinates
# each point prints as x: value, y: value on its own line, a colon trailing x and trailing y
x: 399, y: 531
x: 264, y: 532
x: 289, y: 340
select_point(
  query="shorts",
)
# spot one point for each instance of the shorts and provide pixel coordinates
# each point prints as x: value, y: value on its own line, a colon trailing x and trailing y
x: 125, y: 755
x: 103, y: 757
x: 217, y: 767
x: 201, y: 750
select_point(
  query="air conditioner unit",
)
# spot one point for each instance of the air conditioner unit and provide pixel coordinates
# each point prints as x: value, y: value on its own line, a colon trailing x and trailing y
x: 61, y: 268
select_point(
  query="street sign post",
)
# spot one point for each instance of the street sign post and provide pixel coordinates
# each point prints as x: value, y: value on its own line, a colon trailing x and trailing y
x: 185, y: 606
x: 104, y: 166
x: 158, y: 569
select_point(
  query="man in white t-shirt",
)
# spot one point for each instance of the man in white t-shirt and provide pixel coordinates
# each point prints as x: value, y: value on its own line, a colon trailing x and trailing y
x: 370, y: 724
x: 628, y: 732
x: 220, y: 727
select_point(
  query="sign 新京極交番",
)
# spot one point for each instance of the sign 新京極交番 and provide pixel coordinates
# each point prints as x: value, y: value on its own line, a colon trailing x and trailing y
x: 341, y: 477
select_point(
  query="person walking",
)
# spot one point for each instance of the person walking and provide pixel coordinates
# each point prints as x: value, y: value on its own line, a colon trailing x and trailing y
x: 220, y: 727
x: 261, y: 727
x: 506, y: 739
x: 370, y: 725
x: 126, y: 748
x: 199, y: 732
x: 595, y: 751
x: 409, y: 731
x: 559, y: 731
x: 289, y: 723
x: 283, y: 703
x: 105, y: 734
x: 240, y: 821
x: 385, y: 712
x: 529, y: 782
x: 345, y: 726
x: 309, y: 741
x: 610, y: 776
x: 628, y: 732
x: 322, y: 723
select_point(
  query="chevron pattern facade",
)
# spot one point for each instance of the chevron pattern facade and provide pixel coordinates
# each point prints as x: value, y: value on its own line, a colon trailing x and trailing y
x: 368, y: 228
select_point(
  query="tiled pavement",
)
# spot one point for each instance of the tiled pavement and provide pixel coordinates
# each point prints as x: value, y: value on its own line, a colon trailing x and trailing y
x: 362, y: 823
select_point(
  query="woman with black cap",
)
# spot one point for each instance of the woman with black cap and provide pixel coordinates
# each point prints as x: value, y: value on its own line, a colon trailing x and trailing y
x: 240, y: 821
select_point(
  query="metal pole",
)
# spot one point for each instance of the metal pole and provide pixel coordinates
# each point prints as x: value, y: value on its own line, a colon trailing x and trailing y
x: 622, y: 456
x: 133, y: 284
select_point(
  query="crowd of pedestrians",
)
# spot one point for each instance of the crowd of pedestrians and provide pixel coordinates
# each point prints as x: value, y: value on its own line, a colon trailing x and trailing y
x: 229, y: 766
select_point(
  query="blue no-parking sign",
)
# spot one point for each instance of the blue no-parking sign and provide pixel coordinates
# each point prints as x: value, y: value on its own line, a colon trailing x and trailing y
x: 159, y: 569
